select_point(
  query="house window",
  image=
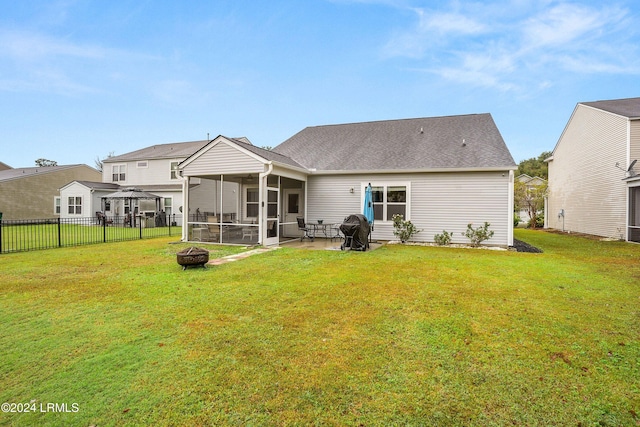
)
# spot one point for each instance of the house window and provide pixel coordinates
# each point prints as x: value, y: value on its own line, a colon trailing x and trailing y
x: 75, y: 205
x: 252, y: 202
x: 174, y: 170
x: 390, y: 199
x: 118, y: 172
x: 167, y: 205
x: 56, y: 205
x: 293, y: 205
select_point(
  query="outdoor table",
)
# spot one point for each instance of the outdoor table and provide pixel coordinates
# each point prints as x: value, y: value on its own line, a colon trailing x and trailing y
x: 325, y: 227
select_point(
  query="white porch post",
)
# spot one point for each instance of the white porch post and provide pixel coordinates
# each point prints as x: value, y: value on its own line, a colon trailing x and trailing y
x: 221, y: 207
x: 185, y: 208
x: 262, y: 192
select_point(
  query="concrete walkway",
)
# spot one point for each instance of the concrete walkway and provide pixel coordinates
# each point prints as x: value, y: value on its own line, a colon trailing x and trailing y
x: 242, y: 255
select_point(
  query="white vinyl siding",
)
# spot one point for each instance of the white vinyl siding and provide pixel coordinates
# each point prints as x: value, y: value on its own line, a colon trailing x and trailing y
x: 223, y: 159
x: 583, y: 179
x: 635, y: 144
x: 436, y: 202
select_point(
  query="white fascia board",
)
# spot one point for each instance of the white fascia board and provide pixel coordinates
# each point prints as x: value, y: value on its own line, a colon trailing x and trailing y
x: 401, y: 171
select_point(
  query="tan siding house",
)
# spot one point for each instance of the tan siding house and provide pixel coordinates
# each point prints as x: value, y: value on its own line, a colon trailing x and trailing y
x: 589, y: 185
x: 34, y: 193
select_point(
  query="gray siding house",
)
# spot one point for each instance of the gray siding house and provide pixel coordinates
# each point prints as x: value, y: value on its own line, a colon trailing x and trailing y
x: 441, y: 173
x: 594, y: 186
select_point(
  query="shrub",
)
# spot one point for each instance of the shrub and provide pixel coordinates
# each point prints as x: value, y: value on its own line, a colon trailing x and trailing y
x: 478, y: 235
x: 402, y: 229
x: 537, y: 222
x: 516, y: 219
x: 443, y: 239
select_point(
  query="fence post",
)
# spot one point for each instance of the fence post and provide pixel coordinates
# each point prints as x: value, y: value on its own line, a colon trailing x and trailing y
x: 104, y: 229
x: 140, y: 225
x: 0, y: 232
x: 59, y: 233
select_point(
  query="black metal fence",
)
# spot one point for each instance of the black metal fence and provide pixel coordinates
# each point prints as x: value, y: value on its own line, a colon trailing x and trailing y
x: 34, y: 234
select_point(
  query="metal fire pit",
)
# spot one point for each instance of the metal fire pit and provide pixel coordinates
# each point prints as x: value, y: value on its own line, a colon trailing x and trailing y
x: 193, y: 256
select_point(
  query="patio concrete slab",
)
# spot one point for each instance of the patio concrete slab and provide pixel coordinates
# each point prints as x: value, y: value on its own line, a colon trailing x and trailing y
x: 323, y: 244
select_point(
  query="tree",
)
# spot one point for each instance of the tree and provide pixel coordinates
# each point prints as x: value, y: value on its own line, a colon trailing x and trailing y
x: 530, y: 198
x: 43, y: 163
x: 98, y: 162
x: 535, y: 166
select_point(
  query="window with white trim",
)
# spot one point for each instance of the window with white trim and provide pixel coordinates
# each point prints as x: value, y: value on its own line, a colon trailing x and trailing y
x: 390, y: 199
x: 118, y: 173
x: 174, y: 170
x: 75, y: 205
x: 252, y: 201
x: 56, y: 205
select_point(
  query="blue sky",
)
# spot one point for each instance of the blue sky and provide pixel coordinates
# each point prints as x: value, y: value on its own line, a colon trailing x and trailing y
x: 82, y: 79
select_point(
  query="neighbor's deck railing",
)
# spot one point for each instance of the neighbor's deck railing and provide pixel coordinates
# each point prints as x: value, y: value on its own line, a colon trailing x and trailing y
x: 34, y: 234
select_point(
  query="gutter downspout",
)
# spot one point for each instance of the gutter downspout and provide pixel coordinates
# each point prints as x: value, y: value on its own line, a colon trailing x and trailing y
x: 511, y: 206
x: 185, y: 206
x: 261, y: 225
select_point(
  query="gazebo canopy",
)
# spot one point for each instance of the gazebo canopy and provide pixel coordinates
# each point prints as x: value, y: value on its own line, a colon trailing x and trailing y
x: 131, y: 194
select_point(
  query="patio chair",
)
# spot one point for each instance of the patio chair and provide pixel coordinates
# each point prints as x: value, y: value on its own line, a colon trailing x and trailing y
x: 249, y: 233
x: 308, y: 231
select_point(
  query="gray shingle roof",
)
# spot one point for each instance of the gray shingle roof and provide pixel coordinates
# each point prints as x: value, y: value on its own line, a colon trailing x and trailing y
x: 99, y: 185
x: 628, y: 107
x: 9, y: 174
x: 270, y: 155
x: 160, y: 151
x: 409, y: 144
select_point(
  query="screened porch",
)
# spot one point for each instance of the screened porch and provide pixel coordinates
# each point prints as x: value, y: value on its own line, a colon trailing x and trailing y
x: 246, y: 209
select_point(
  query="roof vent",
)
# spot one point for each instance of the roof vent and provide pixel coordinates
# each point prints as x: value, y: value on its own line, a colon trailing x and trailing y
x: 421, y: 130
x: 464, y: 143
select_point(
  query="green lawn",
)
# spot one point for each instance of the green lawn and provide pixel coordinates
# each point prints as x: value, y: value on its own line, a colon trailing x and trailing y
x: 17, y: 238
x: 403, y: 335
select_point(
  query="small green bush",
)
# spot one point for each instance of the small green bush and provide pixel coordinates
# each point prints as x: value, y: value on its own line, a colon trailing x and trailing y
x: 478, y: 235
x: 537, y: 222
x: 402, y: 229
x: 516, y: 220
x: 443, y: 239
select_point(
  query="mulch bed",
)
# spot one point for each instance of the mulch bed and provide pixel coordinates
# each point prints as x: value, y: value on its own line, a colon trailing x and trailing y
x: 521, y: 246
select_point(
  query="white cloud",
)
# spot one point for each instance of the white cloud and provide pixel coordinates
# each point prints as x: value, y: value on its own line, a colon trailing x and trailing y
x: 37, y: 62
x: 568, y: 23
x: 30, y: 46
x: 447, y: 23
x: 524, y: 47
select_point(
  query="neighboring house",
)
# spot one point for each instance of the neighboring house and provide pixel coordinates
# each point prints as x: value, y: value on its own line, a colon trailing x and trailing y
x: 594, y: 186
x: 530, y: 183
x: 82, y: 199
x: 441, y: 173
x: 4, y: 166
x: 152, y: 169
x: 33, y: 193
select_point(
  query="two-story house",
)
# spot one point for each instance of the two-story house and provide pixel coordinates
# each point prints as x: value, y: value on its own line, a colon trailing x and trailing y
x: 594, y: 185
x: 152, y: 169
